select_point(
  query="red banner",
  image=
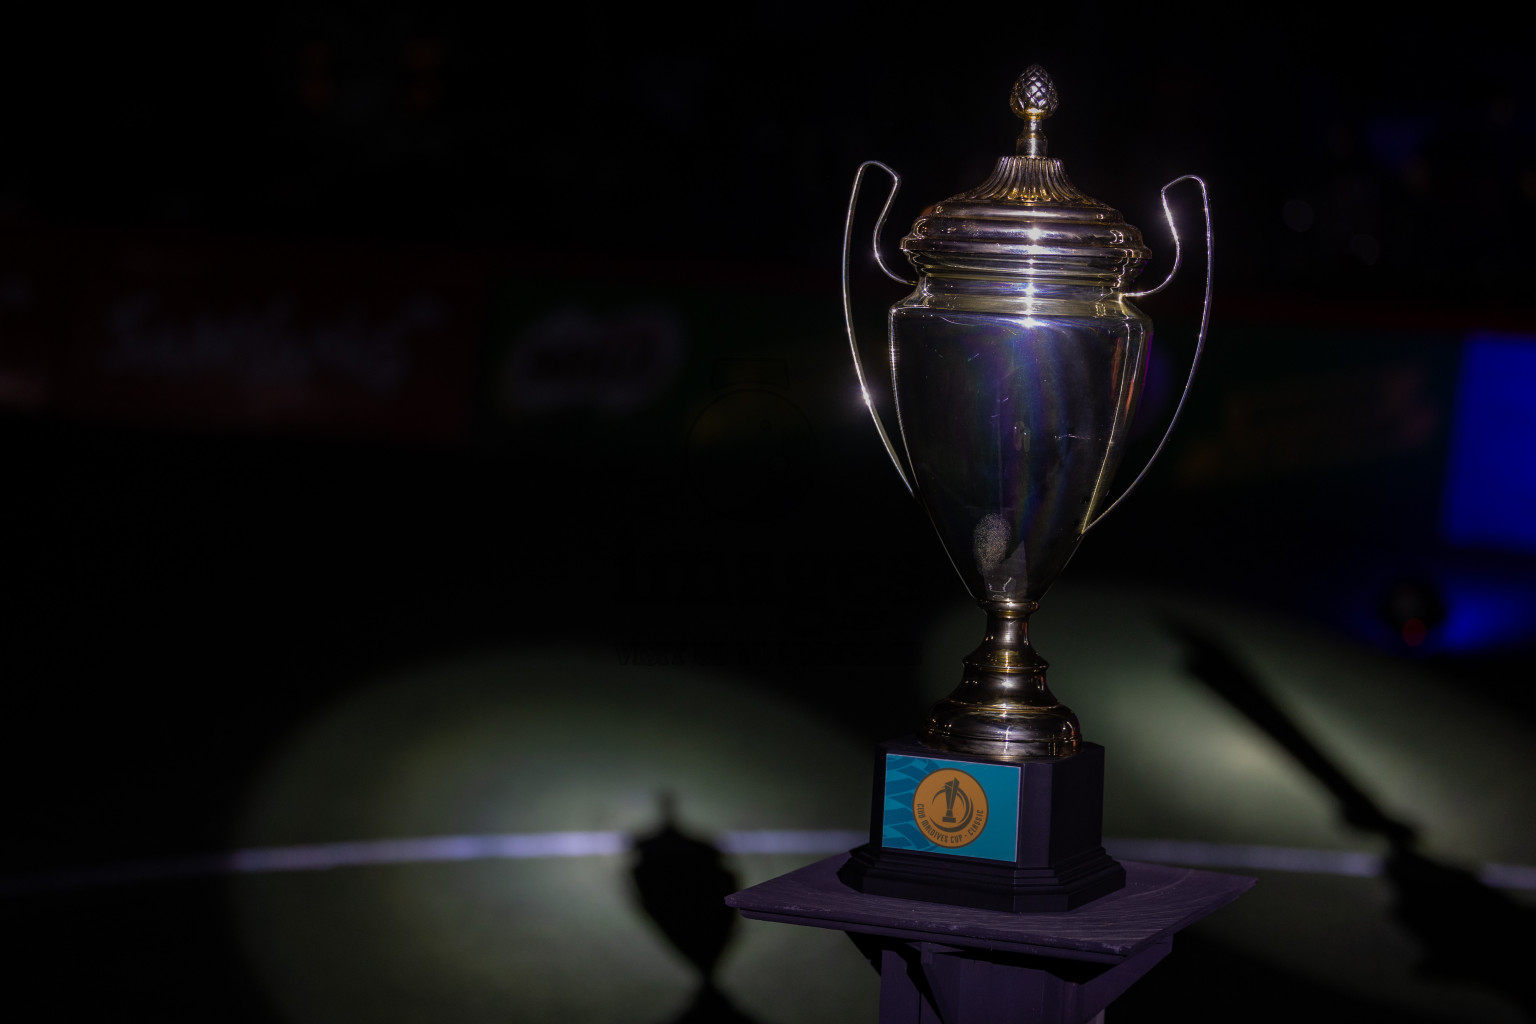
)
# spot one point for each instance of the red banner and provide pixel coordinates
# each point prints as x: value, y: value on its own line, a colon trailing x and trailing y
x: 257, y: 336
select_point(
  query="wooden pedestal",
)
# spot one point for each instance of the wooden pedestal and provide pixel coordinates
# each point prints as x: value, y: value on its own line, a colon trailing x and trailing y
x: 942, y: 964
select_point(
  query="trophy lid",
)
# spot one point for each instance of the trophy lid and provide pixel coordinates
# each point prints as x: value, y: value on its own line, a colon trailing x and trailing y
x: 1028, y: 220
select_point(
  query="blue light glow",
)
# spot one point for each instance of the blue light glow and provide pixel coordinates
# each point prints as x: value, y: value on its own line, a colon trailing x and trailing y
x: 1490, y: 492
x: 1483, y: 614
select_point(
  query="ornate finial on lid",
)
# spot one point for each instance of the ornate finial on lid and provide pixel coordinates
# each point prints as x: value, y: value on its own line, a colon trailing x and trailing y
x: 1031, y: 178
x: 1034, y: 99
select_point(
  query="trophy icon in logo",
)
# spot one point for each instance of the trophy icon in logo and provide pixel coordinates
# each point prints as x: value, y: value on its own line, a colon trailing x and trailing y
x: 949, y: 792
x: 1016, y: 364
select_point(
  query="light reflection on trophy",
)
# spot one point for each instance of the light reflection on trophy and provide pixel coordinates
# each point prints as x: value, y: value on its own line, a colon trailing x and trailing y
x: 1016, y: 365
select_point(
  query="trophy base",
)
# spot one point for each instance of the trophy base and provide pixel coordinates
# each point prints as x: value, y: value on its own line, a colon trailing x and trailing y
x: 971, y: 831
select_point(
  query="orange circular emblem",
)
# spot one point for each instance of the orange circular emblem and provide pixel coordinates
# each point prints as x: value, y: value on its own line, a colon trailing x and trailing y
x: 950, y: 808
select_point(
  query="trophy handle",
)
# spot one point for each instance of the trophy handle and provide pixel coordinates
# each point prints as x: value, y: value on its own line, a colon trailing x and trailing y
x: 858, y: 365
x: 1205, y: 320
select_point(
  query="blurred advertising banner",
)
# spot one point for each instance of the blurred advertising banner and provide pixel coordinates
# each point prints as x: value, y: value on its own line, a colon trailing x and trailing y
x: 295, y: 338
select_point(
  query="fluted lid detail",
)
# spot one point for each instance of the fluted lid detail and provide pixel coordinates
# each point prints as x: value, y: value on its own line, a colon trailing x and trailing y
x: 1028, y: 179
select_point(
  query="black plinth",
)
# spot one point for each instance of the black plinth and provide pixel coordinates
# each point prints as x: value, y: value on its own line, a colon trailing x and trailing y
x: 1056, y: 858
x: 943, y: 964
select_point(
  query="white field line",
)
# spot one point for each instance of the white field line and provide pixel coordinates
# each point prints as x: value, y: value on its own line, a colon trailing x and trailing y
x: 532, y: 845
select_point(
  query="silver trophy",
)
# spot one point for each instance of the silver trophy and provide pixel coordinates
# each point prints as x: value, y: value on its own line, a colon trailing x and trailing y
x: 1016, y: 365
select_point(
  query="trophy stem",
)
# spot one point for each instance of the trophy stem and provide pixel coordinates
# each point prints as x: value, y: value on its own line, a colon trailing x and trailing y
x: 1003, y: 707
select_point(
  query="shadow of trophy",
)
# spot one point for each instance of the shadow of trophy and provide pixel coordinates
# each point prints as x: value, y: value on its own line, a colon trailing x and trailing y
x: 680, y: 883
x: 1017, y: 360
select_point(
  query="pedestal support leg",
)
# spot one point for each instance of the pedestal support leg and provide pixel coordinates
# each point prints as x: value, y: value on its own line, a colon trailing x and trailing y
x: 928, y: 983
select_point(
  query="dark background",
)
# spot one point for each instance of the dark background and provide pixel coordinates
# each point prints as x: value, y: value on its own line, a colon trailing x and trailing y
x: 205, y: 544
